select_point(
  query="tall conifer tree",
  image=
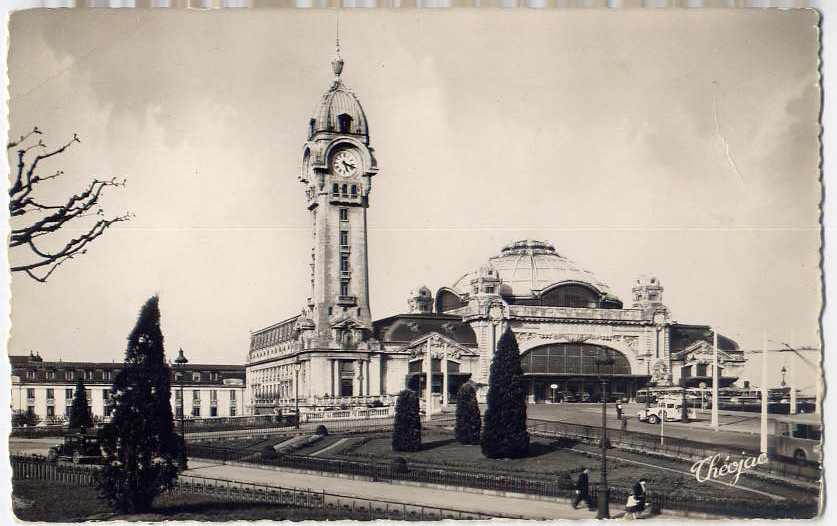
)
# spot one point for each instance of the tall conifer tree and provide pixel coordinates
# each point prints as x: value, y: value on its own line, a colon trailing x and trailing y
x: 504, y: 433
x: 140, y: 441
x: 80, y: 416
x: 406, y: 430
x: 468, y: 423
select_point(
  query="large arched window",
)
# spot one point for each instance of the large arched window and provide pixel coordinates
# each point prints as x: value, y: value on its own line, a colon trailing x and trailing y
x: 571, y: 295
x: 573, y: 359
x: 447, y: 300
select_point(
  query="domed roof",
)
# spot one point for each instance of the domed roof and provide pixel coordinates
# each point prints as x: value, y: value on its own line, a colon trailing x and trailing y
x: 336, y: 101
x: 527, y: 266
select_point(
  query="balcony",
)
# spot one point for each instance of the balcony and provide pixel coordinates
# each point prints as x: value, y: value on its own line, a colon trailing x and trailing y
x: 348, y: 301
x: 345, y: 274
x: 344, y: 198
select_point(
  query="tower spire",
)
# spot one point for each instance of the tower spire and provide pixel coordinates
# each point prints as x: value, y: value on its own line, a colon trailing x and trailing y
x: 337, y: 61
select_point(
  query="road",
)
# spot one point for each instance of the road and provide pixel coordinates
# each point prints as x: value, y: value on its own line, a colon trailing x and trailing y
x: 415, y: 495
x: 738, y: 430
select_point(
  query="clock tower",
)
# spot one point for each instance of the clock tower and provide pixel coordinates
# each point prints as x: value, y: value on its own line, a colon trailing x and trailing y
x: 338, y: 164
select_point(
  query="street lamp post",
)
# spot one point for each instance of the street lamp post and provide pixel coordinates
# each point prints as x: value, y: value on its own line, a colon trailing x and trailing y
x: 181, y: 361
x: 297, y: 366
x: 604, y: 491
x: 784, y: 372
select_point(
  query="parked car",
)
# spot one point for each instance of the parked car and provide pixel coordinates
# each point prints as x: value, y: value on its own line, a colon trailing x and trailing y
x: 564, y: 396
x: 78, y: 448
x: 584, y: 397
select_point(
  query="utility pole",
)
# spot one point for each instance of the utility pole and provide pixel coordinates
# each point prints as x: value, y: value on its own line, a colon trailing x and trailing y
x: 764, y: 397
x: 715, y: 379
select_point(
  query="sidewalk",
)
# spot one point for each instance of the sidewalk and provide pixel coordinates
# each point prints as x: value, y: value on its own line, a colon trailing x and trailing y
x: 442, y: 498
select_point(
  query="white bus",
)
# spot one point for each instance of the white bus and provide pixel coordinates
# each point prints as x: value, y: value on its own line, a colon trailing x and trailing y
x: 798, y: 437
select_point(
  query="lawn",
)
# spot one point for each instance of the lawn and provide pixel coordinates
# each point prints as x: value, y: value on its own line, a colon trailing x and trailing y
x: 34, y: 500
x: 439, y: 448
x: 551, y: 460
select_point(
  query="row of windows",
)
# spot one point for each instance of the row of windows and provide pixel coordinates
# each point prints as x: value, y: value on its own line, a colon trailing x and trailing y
x: 336, y: 190
x: 213, y: 395
x: 70, y: 374
x: 107, y: 375
x: 344, y: 257
x: 273, y: 336
x: 196, y: 411
x: 68, y: 394
x: 196, y: 376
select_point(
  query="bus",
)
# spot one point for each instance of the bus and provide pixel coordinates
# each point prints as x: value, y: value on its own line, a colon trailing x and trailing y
x: 798, y: 437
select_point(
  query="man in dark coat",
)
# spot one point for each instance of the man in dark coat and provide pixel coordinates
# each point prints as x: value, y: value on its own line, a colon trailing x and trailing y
x: 582, y: 489
x: 638, y: 496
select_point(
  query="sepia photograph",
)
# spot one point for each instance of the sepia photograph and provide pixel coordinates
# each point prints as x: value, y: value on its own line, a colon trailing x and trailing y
x: 415, y: 265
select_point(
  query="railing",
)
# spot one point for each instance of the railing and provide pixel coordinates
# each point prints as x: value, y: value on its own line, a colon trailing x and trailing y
x: 36, y: 468
x: 677, y: 447
x: 343, y: 506
x: 552, y: 486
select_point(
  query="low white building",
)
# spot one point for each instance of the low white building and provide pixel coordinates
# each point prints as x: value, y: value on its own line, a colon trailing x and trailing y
x: 47, y: 388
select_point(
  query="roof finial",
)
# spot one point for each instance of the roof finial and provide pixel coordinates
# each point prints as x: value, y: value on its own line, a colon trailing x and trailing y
x: 337, y: 61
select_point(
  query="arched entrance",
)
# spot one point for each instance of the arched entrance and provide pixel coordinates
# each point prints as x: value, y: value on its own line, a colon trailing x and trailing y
x: 572, y: 368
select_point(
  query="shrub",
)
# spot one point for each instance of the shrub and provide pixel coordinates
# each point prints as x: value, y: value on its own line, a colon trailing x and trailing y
x: 398, y: 465
x: 406, y: 432
x: 321, y: 430
x: 505, y: 434
x: 26, y: 418
x: 468, y: 422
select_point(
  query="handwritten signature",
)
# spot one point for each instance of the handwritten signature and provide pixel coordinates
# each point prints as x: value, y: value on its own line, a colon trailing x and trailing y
x: 713, y: 468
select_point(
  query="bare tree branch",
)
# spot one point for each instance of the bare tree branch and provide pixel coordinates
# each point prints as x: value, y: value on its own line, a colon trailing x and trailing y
x: 50, y: 218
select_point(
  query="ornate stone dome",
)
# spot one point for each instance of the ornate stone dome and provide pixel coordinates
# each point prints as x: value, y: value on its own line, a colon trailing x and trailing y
x: 528, y: 267
x: 339, y: 110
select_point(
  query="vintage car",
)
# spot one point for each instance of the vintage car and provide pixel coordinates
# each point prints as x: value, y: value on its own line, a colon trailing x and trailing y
x: 77, y: 448
x: 668, y: 408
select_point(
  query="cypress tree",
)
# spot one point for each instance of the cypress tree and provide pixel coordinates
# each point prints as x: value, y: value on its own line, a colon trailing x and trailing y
x: 140, y: 443
x: 406, y: 432
x: 505, y: 434
x: 468, y: 422
x: 80, y: 416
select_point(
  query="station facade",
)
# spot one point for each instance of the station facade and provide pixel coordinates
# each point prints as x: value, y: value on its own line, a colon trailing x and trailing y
x: 563, y: 316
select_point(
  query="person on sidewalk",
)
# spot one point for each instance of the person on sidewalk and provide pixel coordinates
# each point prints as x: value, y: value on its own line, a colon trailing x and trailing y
x: 624, y: 424
x: 619, y: 410
x: 582, y: 490
x: 636, y: 500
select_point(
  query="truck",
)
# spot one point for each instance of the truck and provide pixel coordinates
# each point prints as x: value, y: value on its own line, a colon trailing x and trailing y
x: 669, y: 408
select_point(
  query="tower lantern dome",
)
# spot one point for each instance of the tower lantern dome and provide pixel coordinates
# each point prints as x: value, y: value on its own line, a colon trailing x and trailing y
x: 339, y: 110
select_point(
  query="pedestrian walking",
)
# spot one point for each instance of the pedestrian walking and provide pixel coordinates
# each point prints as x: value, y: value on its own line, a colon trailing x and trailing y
x: 636, y: 500
x: 624, y: 425
x: 582, y: 490
x: 619, y: 410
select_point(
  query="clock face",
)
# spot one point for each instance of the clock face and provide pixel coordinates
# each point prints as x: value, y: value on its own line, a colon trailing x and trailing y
x: 345, y: 163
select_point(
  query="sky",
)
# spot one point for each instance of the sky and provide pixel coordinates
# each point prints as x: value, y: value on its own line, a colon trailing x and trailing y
x: 677, y: 143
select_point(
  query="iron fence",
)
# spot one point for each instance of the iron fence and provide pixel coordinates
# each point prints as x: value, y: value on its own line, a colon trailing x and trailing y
x: 37, y: 468
x: 676, y: 447
x: 557, y: 487
x: 344, y: 506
